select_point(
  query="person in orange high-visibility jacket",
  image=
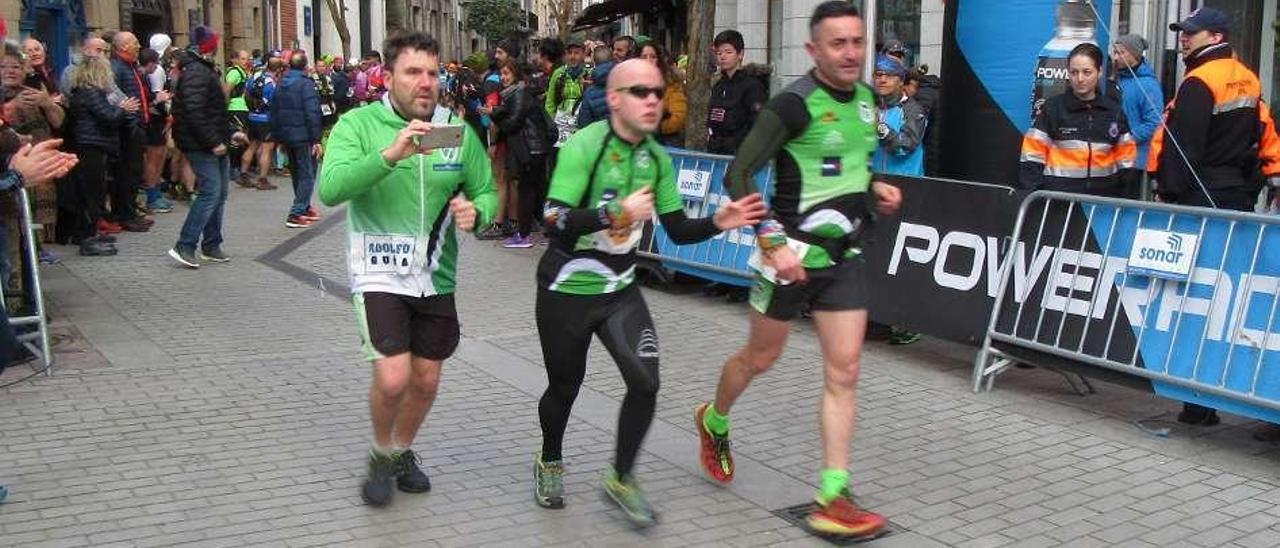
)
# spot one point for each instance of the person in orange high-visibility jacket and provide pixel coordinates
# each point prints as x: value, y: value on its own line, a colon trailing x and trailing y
x: 1219, y: 145
x: 1080, y: 141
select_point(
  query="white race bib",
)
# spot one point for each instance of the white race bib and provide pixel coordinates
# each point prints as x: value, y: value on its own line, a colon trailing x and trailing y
x: 756, y: 261
x: 388, y: 254
x: 566, y: 124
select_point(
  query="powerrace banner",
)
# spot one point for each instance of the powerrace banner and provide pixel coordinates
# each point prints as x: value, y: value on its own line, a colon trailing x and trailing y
x: 1183, y: 294
x: 1000, y: 59
x: 1190, y: 296
x: 934, y: 267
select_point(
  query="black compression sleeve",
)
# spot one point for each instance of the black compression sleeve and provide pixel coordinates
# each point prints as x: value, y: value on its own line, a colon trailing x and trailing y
x: 683, y: 230
x: 784, y: 118
x: 561, y: 220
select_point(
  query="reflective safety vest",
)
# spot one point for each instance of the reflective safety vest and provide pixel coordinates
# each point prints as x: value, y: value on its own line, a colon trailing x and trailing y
x: 1078, y: 146
x: 1235, y: 146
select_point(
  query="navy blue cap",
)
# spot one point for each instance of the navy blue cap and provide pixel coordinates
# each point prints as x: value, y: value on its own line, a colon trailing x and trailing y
x: 1208, y: 19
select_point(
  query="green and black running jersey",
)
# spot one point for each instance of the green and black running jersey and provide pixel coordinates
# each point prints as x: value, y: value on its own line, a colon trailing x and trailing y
x: 821, y: 140
x: 596, y: 166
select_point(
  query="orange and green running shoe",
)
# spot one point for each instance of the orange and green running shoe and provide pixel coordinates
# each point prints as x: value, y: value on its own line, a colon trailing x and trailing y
x: 716, y: 459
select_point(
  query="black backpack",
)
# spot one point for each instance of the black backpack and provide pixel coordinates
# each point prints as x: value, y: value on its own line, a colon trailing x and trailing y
x: 238, y: 89
x: 254, y: 94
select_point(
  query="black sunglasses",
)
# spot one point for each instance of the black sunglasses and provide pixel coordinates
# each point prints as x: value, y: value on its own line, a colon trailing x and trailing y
x: 642, y: 92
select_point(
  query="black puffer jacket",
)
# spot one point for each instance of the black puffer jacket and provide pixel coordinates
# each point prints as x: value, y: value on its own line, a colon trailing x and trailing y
x: 200, y: 118
x: 95, y: 122
x: 522, y: 123
x: 127, y: 78
x: 930, y: 97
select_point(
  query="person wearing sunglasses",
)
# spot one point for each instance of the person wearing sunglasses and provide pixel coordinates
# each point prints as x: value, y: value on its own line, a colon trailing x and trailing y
x: 820, y: 132
x: 610, y: 178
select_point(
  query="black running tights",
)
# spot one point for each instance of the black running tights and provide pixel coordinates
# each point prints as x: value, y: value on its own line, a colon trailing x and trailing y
x: 621, y: 321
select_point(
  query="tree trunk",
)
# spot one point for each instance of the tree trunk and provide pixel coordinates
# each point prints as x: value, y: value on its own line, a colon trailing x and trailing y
x: 564, y: 17
x: 338, y: 9
x: 702, y: 27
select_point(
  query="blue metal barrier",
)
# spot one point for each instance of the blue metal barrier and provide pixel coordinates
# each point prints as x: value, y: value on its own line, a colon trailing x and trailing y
x: 1185, y: 297
x: 723, y: 259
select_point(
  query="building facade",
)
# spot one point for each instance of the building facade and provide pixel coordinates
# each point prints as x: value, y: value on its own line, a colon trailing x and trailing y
x: 251, y: 25
x: 776, y: 31
x: 545, y: 10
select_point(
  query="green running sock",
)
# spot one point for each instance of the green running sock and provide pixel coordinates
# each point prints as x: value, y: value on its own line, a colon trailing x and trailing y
x: 834, y: 482
x: 715, y: 422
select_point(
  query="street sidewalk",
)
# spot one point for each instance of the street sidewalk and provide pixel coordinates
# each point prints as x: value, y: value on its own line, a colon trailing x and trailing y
x: 227, y: 406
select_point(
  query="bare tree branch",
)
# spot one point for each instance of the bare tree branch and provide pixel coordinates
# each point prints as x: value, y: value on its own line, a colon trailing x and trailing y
x: 338, y: 10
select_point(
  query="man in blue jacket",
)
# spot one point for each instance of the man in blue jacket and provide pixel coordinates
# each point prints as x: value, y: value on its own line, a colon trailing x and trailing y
x: 900, y: 130
x: 594, y: 107
x: 1140, y: 94
x: 297, y: 123
x: 902, y: 122
x: 128, y: 171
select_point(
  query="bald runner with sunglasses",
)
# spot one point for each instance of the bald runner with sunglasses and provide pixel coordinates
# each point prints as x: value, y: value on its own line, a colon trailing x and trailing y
x: 611, y: 177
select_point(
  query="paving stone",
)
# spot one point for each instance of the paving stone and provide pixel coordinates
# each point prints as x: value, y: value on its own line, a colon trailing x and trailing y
x: 226, y: 407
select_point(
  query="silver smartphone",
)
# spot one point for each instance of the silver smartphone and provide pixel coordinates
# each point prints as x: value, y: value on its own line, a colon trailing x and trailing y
x: 441, y: 136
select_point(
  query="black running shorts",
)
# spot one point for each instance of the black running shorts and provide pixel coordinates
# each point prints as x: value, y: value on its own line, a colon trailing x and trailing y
x: 841, y: 287
x: 392, y: 324
x: 260, y: 132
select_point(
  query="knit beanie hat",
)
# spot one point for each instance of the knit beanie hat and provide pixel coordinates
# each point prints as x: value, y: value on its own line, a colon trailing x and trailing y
x: 204, y: 39
x: 1136, y: 45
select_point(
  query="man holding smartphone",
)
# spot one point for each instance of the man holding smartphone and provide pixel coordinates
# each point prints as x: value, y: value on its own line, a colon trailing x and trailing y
x: 405, y: 207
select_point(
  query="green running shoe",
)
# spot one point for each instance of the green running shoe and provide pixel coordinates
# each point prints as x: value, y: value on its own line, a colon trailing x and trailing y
x: 548, y: 480
x: 624, y: 492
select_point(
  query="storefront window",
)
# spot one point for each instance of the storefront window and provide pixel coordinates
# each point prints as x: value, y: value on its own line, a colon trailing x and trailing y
x: 900, y: 20
x: 897, y: 20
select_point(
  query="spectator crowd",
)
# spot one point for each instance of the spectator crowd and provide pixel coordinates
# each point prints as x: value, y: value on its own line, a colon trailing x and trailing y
x: 111, y: 142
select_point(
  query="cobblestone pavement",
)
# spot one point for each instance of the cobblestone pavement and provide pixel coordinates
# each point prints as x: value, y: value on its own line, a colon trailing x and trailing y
x: 227, y: 407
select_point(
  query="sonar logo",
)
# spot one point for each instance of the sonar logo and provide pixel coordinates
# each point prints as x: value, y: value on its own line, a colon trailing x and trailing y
x: 1162, y: 253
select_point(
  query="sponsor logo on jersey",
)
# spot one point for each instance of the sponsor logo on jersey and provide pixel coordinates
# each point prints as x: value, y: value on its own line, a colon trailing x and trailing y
x: 867, y: 113
x: 833, y: 139
x: 449, y: 159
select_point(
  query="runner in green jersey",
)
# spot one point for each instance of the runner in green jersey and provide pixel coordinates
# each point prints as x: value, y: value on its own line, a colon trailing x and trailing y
x: 820, y: 132
x: 404, y: 205
x: 611, y: 177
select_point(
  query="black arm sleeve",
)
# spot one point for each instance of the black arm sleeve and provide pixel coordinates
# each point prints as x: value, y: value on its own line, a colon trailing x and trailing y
x: 683, y: 230
x: 784, y: 118
x: 564, y: 221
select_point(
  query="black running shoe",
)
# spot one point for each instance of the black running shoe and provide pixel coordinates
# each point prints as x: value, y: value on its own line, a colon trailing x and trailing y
x: 409, y: 477
x: 377, y: 489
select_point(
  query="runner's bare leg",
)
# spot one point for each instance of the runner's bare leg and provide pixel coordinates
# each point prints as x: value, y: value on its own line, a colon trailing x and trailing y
x: 840, y: 334
x: 764, y: 345
x: 424, y: 381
